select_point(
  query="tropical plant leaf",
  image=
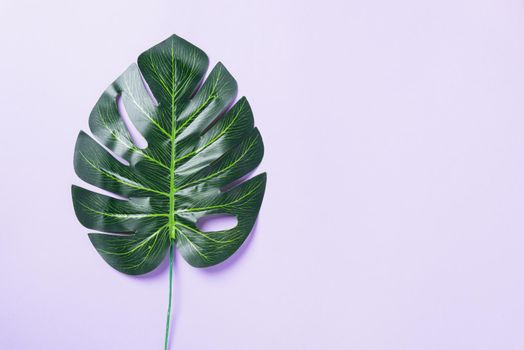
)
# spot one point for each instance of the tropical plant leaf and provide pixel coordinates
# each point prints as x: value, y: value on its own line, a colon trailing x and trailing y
x: 198, y: 146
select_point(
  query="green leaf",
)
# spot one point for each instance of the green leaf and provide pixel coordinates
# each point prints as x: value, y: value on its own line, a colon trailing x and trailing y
x: 198, y: 146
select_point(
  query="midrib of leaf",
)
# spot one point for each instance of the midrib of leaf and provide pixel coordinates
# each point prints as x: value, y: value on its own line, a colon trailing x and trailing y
x: 172, y: 189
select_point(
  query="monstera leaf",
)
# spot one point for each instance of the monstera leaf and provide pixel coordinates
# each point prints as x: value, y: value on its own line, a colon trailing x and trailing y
x: 199, y: 144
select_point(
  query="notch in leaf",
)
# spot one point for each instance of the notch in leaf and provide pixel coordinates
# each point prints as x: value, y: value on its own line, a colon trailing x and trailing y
x: 198, y: 144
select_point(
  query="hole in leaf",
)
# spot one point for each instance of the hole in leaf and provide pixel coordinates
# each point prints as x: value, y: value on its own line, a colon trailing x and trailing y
x: 135, y: 135
x: 148, y: 90
x: 217, y: 222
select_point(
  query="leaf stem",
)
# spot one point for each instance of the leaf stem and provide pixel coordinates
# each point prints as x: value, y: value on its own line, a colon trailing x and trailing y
x: 171, y: 249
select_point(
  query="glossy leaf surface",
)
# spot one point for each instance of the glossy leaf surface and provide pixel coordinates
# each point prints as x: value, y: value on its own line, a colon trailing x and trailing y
x: 198, y: 144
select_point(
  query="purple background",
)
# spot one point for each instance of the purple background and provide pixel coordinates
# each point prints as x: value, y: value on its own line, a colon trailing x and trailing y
x: 394, y: 135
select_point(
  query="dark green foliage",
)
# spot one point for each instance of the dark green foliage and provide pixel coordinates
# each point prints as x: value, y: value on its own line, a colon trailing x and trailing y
x: 197, y: 145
